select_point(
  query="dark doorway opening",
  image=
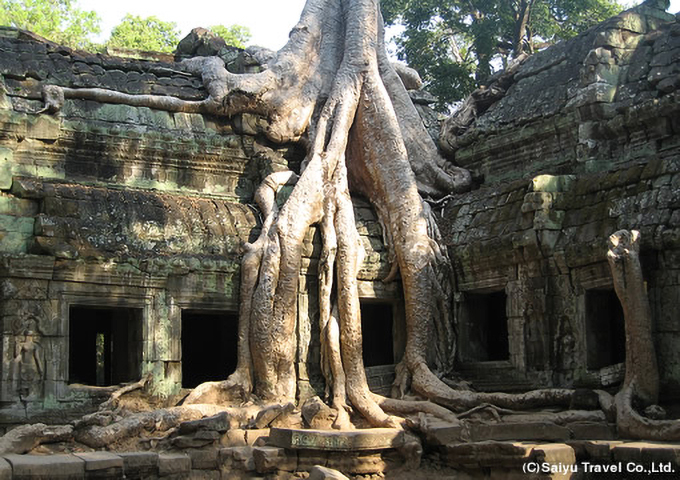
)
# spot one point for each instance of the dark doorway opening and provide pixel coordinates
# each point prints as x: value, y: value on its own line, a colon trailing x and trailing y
x: 486, y: 324
x: 105, y: 345
x: 605, y: 329
x: 209, y: 345
x: 376, y: 329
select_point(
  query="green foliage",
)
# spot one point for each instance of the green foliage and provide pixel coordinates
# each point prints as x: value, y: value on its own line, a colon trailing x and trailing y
x: 57, y: 20
x: 234, y: 35
x: 144, y: 34
x: 454, y: 44
x: 561, y: 20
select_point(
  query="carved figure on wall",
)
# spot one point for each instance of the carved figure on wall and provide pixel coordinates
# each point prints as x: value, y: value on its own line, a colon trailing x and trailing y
x: 28, y: 363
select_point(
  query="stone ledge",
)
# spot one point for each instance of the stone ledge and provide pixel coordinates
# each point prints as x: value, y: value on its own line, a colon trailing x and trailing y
x: 46, y: 466
x: 95, y: 461
x: 366, y: 439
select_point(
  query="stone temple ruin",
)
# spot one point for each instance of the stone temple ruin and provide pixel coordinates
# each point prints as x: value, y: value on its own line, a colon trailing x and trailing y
x: 121, y: 233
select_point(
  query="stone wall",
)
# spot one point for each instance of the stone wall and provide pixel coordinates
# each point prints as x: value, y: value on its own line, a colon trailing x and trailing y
x: 602, y: 100
x: 585, y: 142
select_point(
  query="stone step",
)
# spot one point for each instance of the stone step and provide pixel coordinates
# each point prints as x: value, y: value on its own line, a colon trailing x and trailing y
x: 494, y: 377
x: 442, y: 433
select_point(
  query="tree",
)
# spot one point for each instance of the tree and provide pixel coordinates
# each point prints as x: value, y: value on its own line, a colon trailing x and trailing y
x: 454, y: 43
x: 144, y: 34
x: 234, y: 35
x: 640, y: 387
x: 57, y: 20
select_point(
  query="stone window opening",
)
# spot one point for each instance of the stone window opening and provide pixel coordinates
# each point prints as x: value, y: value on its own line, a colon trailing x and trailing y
x: 209, y: 346
x: 484, y: 327
x: 105, y: 345
x: 605, y: 329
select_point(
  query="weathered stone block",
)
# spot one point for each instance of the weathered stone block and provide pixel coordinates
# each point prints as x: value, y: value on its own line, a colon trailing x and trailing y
x: 204, y: 459
x: 197, y: 439
x: 520, y: 431
x: 357, y: 463
x: 6, y: 163
x: 537, y: 201
x: 101, y: 464
x: 43, y: 127
x: 487, y: 454
x: 552, y: 183
x: 308, y: 458
x: 271, y: 459
x: 189, y: 121
x: 592, y: 431
x: 594, y: 93
x: 10, y: 205
x: 13, y: 242
x: 631, y: 21
x: 173, y: 464
x: 5, y: 470
x: 236, y: 458
x: 234, y: 438
x: 445, y: 434
x: 322, y: 473
x: 221, y: 422
x: 62, y: 207
x: 20, y: 225
x: 140, y: 465
x: 46, y: 466
x: 252, y: 436
x: 647, y: 452
x: 366, y: 439
x: 317, y: 414
x: 548, y: 220
x: 205, y: 475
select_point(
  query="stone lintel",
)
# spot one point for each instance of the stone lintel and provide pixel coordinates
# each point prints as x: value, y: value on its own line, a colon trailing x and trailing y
x: 364, y: 439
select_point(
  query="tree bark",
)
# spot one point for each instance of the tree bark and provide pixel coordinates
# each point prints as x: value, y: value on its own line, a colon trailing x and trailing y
x: 630, y: 286
x: 522, y: 42
x: 641, y: 382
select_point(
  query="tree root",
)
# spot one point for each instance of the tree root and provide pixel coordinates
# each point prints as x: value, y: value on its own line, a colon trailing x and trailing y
x: 641, y: 382
x: 410, y: 407
x: 114, y: 399
x: 25, y: 438
x: 631, y: 424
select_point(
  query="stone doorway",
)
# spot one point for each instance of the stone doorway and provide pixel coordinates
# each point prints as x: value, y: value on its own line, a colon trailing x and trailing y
x: 209, y: 346
x: 377, y: 327
x: 484, y: 327
x: 105, y: 345
x: 605, y: 330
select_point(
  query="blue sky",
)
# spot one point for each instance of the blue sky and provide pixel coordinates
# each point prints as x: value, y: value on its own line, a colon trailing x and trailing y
x: 268, y: 20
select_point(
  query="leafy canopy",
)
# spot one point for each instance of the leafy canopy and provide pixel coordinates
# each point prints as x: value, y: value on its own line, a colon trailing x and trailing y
x: 457, y: 44
x: 234, y: 35
x: 58, y: 20
x: 63, y: 22
x: 148, y: 33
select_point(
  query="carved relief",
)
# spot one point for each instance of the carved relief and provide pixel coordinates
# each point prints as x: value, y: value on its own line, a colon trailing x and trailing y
x: 27, y: 372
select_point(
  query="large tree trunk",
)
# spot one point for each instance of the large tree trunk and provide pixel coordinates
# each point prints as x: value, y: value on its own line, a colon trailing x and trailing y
x: 522, y: 39
x: 630, y: 286
x: 641, y: 382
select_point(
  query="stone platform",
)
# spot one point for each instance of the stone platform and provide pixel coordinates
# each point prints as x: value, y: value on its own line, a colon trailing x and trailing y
x: 333, y: 440
x: 488, y: 460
